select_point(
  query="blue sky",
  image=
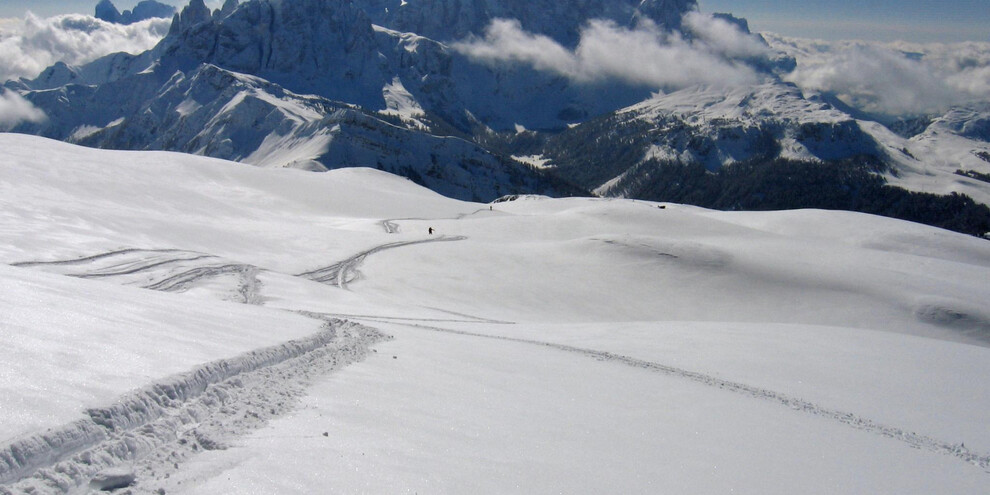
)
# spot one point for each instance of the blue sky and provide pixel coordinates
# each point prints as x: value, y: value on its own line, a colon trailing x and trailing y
x: 883, y: 20
x: 17, y: 8
x: 880, y: 20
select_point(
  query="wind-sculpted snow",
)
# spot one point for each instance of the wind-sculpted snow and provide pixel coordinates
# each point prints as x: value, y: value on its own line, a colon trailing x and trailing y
x: 162, y: 424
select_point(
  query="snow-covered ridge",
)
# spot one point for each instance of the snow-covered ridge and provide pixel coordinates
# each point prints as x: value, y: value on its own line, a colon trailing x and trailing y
x: 719, y: 127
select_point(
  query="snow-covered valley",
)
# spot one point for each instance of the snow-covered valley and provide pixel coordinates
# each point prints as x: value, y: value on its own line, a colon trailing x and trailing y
x: 179, y: 324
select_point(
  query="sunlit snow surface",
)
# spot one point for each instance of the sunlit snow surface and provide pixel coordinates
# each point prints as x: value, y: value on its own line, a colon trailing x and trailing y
x: 572, y: 346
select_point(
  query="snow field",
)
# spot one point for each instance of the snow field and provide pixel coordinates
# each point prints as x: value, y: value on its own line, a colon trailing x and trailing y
x: 452, y: 413
x: 572, y: 345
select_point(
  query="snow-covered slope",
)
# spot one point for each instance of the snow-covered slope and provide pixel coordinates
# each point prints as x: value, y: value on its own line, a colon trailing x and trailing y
x: 215, y: 112
x: 956, y: 141
x: 716, y: 127
x: 538, y: 344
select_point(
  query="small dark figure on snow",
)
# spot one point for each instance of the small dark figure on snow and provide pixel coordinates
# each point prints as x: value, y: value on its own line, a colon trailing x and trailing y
x: 431, y: 230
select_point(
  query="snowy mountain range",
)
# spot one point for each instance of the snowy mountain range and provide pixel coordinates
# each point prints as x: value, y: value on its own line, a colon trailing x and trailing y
x: 408, y: 87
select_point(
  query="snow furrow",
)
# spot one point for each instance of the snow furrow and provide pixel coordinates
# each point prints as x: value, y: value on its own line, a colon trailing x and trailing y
x: 913, y: 439
x: 180, y: 415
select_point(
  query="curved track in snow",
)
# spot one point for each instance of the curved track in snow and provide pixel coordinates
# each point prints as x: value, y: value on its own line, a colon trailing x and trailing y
x: 342, y: 273
x: 915, y: 440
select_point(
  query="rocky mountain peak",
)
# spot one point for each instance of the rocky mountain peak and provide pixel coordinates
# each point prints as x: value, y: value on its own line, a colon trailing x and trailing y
x: 146, y: 9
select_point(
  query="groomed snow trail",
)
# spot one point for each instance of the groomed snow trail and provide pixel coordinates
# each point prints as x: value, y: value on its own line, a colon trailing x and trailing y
x: 147, y: 433
x: 913, y: 439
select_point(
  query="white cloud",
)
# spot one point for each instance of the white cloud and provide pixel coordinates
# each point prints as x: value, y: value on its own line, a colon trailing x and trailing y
x: 891, y: 78
x: 724, y: 37
x: 30, y: 45
x: 506, y: 41
x: 644, y: 55
x: 14, y: 110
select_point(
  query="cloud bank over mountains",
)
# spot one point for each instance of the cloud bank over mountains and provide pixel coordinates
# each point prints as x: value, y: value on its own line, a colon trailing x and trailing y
x: 29, y: 45
x: 644, y: 55
x: 891, y: 78
x: 881, y: 78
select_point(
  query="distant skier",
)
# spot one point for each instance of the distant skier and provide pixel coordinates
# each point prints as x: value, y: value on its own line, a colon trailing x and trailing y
x: 431, y: 231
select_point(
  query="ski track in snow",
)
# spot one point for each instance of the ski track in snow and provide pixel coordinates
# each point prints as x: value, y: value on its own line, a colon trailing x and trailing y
x: 175, y: 270
x: 148, y: 433
x: 912, y: 439
x: 344, y: 272
x: 390, y: 226
x: 168, y: 270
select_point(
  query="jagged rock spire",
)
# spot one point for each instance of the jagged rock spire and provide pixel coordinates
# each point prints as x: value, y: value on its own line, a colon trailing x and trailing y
x: 107, y: 11
x: 195, y: 13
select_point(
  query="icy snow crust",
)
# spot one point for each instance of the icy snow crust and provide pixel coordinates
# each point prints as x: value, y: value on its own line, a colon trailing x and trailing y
x: 179, y: 323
